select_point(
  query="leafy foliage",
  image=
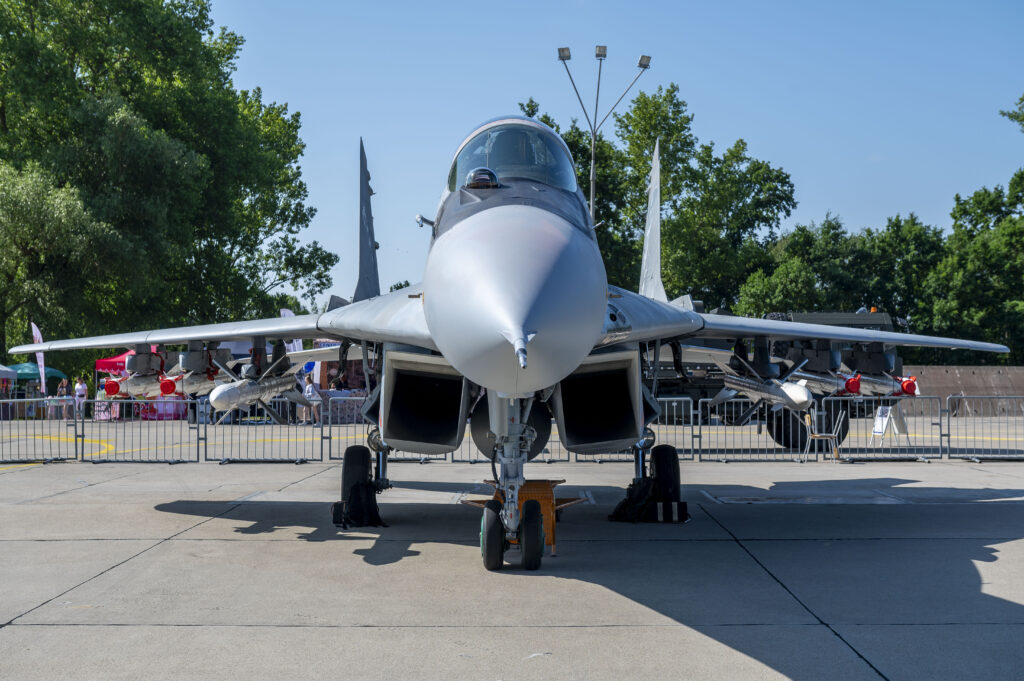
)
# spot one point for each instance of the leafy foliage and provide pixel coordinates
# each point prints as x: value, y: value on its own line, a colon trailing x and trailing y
x: 130, y: 106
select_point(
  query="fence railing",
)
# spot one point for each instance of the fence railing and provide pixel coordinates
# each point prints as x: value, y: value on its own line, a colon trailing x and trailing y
x: 171, y: 431
x: 38, y: 429
x: 985, y: 427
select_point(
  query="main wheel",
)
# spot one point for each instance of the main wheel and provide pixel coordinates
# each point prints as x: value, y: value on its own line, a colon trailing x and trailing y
x: 355, y: 467
x: 531, y: 535
x: 492, y: 536
x: 665, y: 471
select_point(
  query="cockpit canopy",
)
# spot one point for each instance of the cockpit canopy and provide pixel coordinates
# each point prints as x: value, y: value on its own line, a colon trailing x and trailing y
x: 515, y: 150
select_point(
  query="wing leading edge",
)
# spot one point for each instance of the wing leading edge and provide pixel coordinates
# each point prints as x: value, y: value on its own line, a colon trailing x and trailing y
x: 394, y: 317
x: 637, y: 318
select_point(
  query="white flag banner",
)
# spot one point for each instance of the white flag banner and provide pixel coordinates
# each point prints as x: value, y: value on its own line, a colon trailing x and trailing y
x: 292, y: 345
x: 38, y: 338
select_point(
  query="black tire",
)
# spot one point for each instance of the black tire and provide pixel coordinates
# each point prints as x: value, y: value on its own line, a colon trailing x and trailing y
x: 787, y: 429
x: 355, y: 468
x: 492, y: 536
x: 531, y: 535
x: 665, y: 471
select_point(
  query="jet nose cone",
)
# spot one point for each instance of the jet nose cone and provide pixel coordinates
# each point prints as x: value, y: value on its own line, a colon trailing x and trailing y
x: 514, y: 286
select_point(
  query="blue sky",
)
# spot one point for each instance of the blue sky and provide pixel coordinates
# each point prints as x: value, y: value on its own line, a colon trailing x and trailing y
x: 873, y: 108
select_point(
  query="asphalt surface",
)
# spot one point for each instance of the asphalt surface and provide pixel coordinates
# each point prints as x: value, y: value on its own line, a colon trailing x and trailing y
x: 814, y: 571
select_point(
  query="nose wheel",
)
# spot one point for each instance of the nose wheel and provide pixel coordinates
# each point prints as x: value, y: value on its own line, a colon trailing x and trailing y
x: 530, y: 535
x: 492, y: 536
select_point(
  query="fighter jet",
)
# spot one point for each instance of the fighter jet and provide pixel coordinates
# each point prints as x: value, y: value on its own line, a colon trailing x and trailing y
x: 514, y: 322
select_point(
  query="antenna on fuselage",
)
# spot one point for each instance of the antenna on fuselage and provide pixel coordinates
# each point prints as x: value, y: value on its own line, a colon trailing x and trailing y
x: 368, y: 285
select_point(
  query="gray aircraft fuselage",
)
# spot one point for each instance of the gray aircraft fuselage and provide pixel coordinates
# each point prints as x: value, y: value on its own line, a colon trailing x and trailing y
x: 514, y: 289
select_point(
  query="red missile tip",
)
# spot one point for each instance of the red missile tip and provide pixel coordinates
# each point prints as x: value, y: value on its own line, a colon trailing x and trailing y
x: 168, y: 386
x: 909, y: 385
x: 112, y: 388
x: 852, y: 385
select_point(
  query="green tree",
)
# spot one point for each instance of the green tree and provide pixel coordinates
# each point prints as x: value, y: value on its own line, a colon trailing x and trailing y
x: 724, y: 224
x: 976, y: 290
x: 718, y: 212
x: 48, y: 242
x: 133, y: 104
x: 1016, y: 115
x: 819, y: 265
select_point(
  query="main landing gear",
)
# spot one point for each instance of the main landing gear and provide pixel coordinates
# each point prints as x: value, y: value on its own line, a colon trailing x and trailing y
x: 502, y: 522
x: 361, y: 482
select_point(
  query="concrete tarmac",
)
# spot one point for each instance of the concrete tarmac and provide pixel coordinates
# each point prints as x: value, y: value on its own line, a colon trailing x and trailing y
x: 814, y: 571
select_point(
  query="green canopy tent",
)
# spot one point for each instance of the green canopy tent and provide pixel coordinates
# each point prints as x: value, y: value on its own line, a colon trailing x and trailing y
x: 28, y: 371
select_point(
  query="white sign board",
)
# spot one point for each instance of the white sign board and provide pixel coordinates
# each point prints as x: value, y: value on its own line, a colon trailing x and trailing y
x: 881, y: 423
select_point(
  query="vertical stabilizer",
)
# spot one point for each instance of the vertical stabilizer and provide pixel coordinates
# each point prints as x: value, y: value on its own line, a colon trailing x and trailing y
x: 650, y: 268
x: 368, y: 285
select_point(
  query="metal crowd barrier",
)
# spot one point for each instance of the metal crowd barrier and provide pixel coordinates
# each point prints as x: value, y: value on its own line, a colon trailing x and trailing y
x: 890, y: 428
x: 37, y: 429
x: 168, y: 431
x: 250, y: 435
x: 730, y: 431
x: 137, y: 431
x: 985, y: 427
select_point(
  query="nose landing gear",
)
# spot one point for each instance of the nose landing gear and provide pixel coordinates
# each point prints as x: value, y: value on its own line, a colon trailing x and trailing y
x: 501, y: 523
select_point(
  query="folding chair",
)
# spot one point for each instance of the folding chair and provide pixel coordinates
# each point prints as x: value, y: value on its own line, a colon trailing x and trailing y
x: 832, y: 438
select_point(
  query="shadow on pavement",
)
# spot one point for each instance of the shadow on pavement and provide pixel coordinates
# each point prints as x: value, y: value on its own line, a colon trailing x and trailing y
x: 837, y: 556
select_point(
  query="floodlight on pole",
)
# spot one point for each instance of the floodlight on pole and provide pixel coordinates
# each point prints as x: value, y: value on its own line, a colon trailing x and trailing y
x: 600, y: 53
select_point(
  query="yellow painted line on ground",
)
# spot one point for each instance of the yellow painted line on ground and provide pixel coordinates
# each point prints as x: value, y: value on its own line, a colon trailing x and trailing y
x: 21, y: 465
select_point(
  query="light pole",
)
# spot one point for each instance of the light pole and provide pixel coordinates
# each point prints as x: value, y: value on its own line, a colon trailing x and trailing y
x: 600, y: 52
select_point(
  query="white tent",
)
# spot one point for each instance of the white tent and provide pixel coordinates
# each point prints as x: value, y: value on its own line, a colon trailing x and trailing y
x: 8, y: 373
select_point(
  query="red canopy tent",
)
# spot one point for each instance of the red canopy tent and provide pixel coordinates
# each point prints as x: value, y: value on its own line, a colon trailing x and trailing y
x: 115, y: 364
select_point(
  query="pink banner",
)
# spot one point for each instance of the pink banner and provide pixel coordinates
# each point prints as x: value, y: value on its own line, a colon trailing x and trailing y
x: 38, y: 338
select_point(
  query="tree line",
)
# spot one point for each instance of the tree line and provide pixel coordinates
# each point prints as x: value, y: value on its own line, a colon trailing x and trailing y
x: 138, y: 187
x: 722, y: 242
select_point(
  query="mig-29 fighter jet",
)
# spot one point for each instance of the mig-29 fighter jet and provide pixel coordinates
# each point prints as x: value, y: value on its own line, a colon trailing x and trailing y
x: 515, y: 318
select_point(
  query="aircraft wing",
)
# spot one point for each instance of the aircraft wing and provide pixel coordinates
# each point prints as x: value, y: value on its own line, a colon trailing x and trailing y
x: 638, y: 318
x: 394, y: 317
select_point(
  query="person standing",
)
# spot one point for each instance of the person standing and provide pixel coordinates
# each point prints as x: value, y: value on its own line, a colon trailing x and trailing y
x: 64, y: 398
x: 313, y: 395
x: 81, y: 392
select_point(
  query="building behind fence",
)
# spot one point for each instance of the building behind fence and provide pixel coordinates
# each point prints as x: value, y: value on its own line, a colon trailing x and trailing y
x: 158, y: 431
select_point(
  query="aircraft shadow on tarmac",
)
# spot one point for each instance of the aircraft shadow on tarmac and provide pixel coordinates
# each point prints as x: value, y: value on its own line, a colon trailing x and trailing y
x: 802, y: 560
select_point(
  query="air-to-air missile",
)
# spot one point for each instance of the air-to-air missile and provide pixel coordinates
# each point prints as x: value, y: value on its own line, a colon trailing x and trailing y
x: 789, y: 394
x: 139, y: 386
x: 857, y: 384
x: 246, y: 392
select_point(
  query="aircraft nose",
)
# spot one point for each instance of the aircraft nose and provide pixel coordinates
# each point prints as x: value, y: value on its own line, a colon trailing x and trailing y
x: 514, y: 298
